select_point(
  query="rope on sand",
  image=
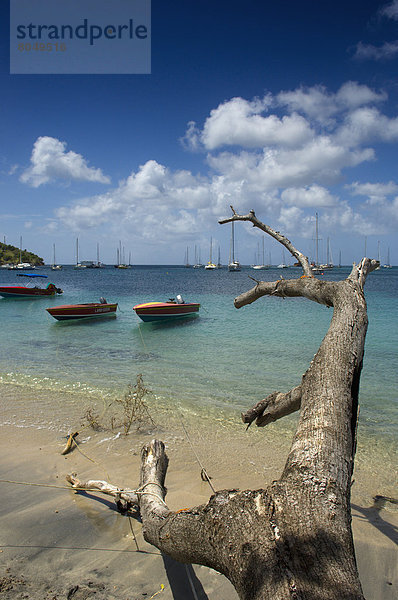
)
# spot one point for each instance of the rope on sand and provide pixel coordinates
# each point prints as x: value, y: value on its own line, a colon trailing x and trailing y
x: 203, y: 474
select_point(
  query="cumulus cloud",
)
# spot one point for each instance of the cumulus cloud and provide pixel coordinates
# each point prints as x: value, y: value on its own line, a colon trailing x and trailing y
x: 50, y: 161
x: 155, y: 197
x: 191, y: 139
x: 320, y: 160
x: 318, y: 103
x: 375, y: 192
x: 380, y: 203
x: 367, y: 125
x: 277, y: 155
x: 240, y: 122
x: 313, y: 196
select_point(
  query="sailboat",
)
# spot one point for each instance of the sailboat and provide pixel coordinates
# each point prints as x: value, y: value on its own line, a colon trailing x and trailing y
x: 219, y: 265
x: 261, y: 266
x: 22, y: 265
x: 233, y: 264
x: 187, y: 265
x: 388, y: 264
x: 315, y: 267
x: 378, y: 255
x: 198, y: 264
x: 78, y: 265
x: 282, y: 265
x: 54, y: 266
x: 98, y: 264
x: 339, y: 265
x: 119, y: 260
x: 210, y: 265
x: 329, y: 260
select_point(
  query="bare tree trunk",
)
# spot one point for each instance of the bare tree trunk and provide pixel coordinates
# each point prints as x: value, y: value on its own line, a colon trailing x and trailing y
x: 293, y: 539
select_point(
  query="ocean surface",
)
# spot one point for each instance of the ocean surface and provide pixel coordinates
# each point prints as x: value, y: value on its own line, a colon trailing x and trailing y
x: 220, y: 362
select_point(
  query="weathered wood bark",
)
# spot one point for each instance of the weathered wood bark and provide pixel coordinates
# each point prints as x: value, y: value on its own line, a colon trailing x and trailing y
x: 292, y: 539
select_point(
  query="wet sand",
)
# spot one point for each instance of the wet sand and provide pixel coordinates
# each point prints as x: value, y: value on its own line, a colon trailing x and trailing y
x: 58, y: 544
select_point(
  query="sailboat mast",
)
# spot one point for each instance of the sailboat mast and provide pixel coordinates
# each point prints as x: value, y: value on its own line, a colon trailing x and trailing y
x: 233, y: 242
x: 20, y: 249
x: 77, y: 251
x: 316, y: 239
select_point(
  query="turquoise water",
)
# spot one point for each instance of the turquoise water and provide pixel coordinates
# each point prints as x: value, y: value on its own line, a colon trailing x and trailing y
x: 224, y: 359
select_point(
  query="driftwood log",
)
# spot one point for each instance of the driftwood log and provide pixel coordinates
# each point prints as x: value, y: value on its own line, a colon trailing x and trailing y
x: 293, y: 539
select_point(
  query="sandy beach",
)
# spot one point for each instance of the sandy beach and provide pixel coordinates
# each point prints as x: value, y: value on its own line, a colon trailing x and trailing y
x: 59, y: 544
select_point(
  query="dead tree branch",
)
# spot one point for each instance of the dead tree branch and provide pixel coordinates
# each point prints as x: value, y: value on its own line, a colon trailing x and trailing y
x: 291, y: 540
x: 273, y: 407
x: 251, y: 217
x: 93, y: 485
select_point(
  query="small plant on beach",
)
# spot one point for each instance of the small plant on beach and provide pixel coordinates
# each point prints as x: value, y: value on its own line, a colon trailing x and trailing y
x: 134, y: 406
x: 93, y: 419
x: 134, y: 409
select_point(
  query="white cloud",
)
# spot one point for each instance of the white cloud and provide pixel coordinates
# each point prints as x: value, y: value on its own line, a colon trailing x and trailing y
x: 390, y: 10
x: 375, y: 192
x: 319, y: 104
x: 321, y: 160
x: 240, y: 122
x: 345, y: 218
x: 289, y: 217
x: 365, y: 125
x: 386, y: 51
x: 313, y: 196
x: 153, y: 201
x: 275, y: 174
x: 191, y: 139
x: 50, y: 161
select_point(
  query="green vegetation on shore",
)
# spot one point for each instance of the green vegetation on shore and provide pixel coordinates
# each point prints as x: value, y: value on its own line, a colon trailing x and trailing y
x: 12, y: 255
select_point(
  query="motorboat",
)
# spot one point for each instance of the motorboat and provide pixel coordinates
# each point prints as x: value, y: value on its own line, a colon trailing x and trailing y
x: 88, y: 310
x: 172, y: 309
x: 20, y: 291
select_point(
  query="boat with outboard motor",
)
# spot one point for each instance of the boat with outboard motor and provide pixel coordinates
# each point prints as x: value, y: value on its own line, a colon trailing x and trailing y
x: 172, y: 309
x: 21, y: 291
x: 88, y: 310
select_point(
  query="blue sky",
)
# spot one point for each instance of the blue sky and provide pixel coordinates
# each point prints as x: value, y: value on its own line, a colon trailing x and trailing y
x: 289, y: 108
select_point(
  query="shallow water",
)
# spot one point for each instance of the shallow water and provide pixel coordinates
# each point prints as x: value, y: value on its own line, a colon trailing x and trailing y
x: 220, y: 362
